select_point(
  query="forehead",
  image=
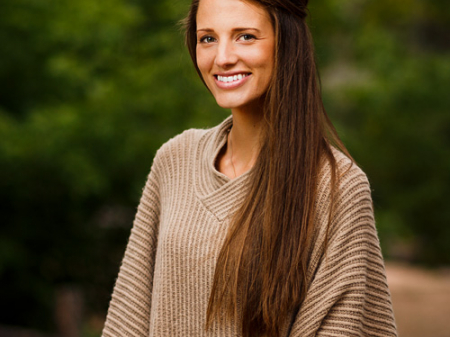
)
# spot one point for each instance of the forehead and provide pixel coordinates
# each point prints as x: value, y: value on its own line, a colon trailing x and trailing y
x: 217, y: 14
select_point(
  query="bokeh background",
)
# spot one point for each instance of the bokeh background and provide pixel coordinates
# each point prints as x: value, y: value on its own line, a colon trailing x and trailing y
x: 90, y: 89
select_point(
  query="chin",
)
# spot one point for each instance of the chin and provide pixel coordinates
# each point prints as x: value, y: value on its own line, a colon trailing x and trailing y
x: 241, y: 104
x: 227, y: 105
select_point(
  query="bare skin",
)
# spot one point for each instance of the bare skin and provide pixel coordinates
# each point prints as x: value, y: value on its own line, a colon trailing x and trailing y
x: 235, y: 54
x: 242, y: 148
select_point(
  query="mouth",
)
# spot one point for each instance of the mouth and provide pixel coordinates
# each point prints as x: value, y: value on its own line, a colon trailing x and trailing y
x: 231, y: 82
x: 232, y: 78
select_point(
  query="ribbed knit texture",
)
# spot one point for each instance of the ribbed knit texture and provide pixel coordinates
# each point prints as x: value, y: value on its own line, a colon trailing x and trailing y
x: 166, y: 275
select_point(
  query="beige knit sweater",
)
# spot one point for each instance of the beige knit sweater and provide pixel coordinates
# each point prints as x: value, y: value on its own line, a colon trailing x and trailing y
x: 166, y: 275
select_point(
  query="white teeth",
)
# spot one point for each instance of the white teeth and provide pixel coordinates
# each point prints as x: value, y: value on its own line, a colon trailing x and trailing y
x: 227, y: 79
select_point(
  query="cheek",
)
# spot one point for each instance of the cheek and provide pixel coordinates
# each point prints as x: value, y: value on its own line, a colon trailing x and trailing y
x: 263, y: 59
x: 269, y: 67
x: 269, y: 56
x: 203, y: 61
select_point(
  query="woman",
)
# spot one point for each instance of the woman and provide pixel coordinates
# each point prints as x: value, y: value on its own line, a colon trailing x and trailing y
x: 259, y: 226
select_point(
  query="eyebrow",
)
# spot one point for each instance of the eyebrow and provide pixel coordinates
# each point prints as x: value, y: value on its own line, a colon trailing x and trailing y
x: 236, y: 30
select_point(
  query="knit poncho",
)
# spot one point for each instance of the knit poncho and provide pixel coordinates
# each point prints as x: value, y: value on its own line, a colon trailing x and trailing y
x: 166, y: 274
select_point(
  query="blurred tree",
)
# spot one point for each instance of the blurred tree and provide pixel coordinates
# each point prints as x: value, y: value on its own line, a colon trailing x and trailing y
x: 89, y: 91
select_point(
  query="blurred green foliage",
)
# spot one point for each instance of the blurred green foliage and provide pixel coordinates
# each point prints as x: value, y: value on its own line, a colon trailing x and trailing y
x: 90, y: 90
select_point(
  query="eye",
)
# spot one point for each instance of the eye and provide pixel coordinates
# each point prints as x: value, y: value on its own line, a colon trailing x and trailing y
x: 207, y: 39
x: 247, y: 37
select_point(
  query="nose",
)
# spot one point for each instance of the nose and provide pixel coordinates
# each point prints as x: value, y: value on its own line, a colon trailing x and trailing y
x: 226, y: 55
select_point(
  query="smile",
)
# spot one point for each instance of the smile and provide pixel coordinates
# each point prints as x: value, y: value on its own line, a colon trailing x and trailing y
x: 232, y: 81
x: 227, y: 79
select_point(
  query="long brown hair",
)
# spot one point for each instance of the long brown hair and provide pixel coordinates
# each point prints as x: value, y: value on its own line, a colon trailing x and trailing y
x: 260, y: 275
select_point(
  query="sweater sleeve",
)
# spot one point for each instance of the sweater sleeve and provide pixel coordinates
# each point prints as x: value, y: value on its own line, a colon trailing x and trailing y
x: 129, y: 309
x: 348, y: 293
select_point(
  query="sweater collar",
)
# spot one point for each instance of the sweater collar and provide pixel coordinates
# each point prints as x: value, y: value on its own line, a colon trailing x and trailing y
x: 218, y: 193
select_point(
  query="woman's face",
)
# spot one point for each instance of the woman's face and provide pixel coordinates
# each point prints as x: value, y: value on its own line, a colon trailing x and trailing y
x: 235, y: 51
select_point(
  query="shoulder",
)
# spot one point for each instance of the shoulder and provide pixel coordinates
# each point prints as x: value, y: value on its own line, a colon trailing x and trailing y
x: 187, y: 143
x: 181, y: 142
x: 177, y: 148
x: 183, y: 149
x: 351, y: 205
x: 347, y: 173
x: 352, y: 192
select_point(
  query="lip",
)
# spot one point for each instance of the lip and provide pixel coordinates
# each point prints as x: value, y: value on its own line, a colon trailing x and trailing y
x: 232, y: 73
x: 234, y: 84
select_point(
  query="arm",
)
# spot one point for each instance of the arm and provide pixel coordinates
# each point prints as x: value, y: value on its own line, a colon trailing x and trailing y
x: 129, y: 309
x: 348, y: 295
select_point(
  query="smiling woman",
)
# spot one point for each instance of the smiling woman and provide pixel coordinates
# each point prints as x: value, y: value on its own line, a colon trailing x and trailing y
x: 263, y: 225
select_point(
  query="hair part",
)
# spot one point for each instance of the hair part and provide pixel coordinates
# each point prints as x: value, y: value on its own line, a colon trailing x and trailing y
x: 260, y: 276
